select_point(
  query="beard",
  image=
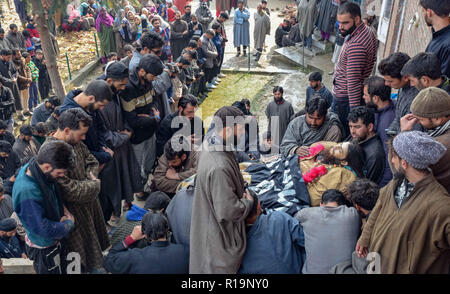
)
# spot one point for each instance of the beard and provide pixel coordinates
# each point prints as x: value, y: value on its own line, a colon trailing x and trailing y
x: 398, y: 174
x: 348, y: 32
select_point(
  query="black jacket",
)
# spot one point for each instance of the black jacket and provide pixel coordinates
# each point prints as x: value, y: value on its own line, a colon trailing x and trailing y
x: 139, y: 99
x: 375, y: 159
x: 405, y: 98
x: 9, y: 165
x: 440, y: 45
x: 161, y: 257
x: 279, y: 33
x: 166, y: 131
x: 6, y: 103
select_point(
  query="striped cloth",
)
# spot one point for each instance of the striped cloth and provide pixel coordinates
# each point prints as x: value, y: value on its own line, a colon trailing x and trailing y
x: 355, y: 64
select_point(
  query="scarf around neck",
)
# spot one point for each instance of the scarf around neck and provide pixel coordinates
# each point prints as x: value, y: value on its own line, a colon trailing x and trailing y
x: 436, y: 132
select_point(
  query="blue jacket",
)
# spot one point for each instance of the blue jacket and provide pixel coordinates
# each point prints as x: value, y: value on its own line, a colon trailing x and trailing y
x: 324, y: 92
x: 383, y: 119
x: 27, y: 203
x: 161, y: 257
x: 218, y: 40
x: 97, y: 131
x: 275, y: 245
x: 11, y: 248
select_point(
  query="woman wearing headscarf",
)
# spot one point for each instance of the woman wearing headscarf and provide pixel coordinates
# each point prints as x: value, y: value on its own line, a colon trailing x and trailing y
x: 125, y: 28
x: 134, y: 27
x: 104, y: 27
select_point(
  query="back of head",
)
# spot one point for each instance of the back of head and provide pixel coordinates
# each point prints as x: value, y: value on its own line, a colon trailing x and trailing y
x: 187, y: 99
x: 58, y: 154
x: 5, y: 146
x: 376, y: 87
x: 364, y: 193
x: 54, y: 100
x: 393, y: 64
x: 41, y: 128
x: 211, y: 33
x: 317, y: 103
x: 12, y: 26
x: 315, y: 76
x: 151, y: 40
x: 176, y: 147
x: 26, y: 130
x: 439, y: 7
x: 5, y: 52
x: 151, y: 64
x: 72, y: 118
x: 333, y: 195
x: 128, y: 48
x: 192, y: 44
x: 228, y: 113
x: 224, y: 14
x: 154, y: 225
x: 100, y: 90
x: 423, y: 64
x: 215, y: 26
x: 157, y: 201
x: 349, y: 7
x: 117, y: 71
x: 362, y: 112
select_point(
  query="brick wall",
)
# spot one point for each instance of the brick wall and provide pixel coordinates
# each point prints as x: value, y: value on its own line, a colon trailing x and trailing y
x: 417, y: 39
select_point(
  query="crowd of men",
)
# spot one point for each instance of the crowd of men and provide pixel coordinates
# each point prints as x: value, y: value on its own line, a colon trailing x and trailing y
x: 374, y: 173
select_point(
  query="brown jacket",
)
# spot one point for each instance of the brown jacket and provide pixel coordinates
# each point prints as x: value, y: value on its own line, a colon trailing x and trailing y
x: 80, y: 195
x: 441, y: 170
x: 24, y: 75
x: 188, y: 169
x: 414, y: 239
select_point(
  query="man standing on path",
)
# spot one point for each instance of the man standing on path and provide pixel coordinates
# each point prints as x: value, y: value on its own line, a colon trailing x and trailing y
x: 218, y: 238
x: 262, y: 28
x: 355, y: 63
x: 241, y: 28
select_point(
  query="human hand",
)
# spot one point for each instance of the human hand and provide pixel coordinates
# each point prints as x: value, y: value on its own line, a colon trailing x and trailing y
x: 171, y: 174
x: 407, y: 122
x: 155, y: 111
x: 248, y: 196
x: 92, y: 177
x: 137, y: 235
x: 24, y: 256
x: 361, y: 251
x: 109, y: 151
x: 302, y: 151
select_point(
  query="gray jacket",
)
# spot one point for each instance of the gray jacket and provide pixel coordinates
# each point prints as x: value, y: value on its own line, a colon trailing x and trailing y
x: 299, y: 134
x: 210, y: 51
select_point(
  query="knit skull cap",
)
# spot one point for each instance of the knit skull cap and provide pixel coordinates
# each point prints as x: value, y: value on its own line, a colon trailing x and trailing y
x: 418, y: 149
x: 8, y: 224
x: 431, y: 102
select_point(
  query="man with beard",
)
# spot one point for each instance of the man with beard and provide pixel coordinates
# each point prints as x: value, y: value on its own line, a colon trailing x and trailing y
x: 408, y: 227
x: 183, y: 121
x: 44, y: 110
x: 4, y: 43
x: 316, y: 87
x: 10, y: 247
x: 424, y: 70
x: 8, y: 78
x: 314, y: 126
x: 15, y: 38
x: 178, y: 36
x: 38, y: 203
x: 141, y: 113
x: 9, y: 161
x: 355, y: 63
x: 44, y: 82
x: 178, y: 163
x: 281, y: 112
x: 120, y: 178
x: 93, y: 99
x: 80, y: 188
x: 378, y: 96
x: 390, y: 68
x: 221, y: 203
x: 223, y: 16
x: 23, y: 80
x: 362, y: 130
x: 204, y: 15
x: 431, y: 108
x: 195, y: 28
x: 282, y: 30
x: 187, y: 12
x: 435, y: 13
x: 25, y: 145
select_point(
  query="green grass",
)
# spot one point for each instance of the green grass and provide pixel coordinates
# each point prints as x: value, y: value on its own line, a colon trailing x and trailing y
x: 233, y: 87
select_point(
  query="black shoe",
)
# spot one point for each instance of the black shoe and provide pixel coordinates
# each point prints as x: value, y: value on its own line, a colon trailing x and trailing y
x: 238, y: 54
x: 28, y: 113
x: 245, y: 53
x: 21, y: 118
x: 143, y: 197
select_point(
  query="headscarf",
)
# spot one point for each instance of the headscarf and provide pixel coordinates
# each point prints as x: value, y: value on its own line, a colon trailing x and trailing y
x: 131, y: 8
x: 104, y: 19
x: 122, y: 32
x: 118, y: 19
x: 83, y: 6
x: 73, y: 13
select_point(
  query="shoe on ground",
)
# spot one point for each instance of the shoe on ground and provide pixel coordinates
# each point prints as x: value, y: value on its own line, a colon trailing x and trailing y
x: 21, y: 118
x: 221, y: 75
x: 245, y: 54
x: 208, y: 89
x: 331, y: 72
x: 211, y: 86
x: 216, y: 79
x: 215, y: 83
x: 238, y: 54
x: 27, y: 113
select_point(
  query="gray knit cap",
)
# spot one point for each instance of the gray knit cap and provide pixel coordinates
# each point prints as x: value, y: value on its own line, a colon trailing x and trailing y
x: 418, y: 149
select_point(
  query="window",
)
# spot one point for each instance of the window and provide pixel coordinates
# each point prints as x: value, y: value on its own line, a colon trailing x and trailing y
x: 385, y: 18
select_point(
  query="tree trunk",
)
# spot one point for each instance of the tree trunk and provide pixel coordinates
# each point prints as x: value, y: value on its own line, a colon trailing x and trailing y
x: 47, y: 48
